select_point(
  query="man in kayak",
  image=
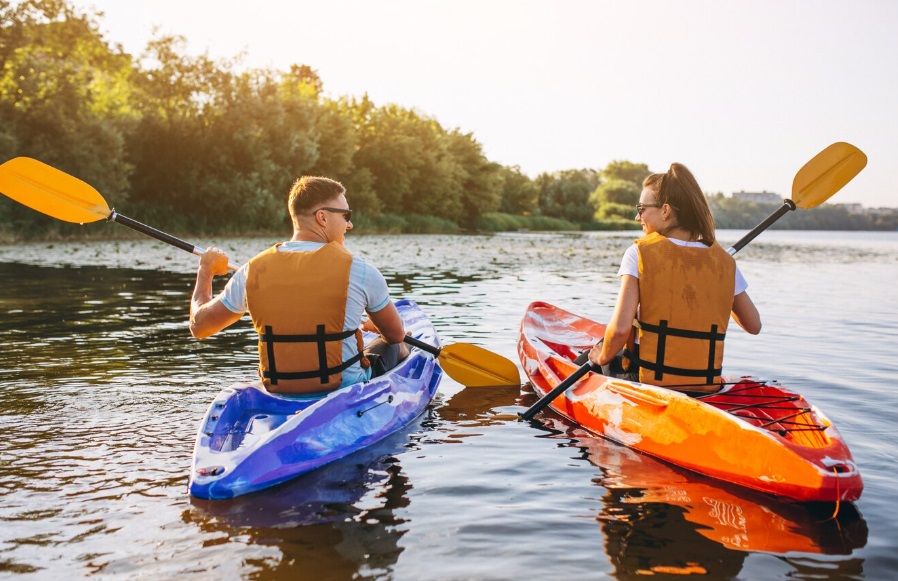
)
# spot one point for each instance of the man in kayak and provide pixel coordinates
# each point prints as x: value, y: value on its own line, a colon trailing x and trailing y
x: 306, y: 298
x: 679, y: 289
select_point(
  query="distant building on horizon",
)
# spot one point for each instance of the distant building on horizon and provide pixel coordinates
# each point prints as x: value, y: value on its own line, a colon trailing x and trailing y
x: 860, y: 209
x: 764, y: 197
x: 881, y: 211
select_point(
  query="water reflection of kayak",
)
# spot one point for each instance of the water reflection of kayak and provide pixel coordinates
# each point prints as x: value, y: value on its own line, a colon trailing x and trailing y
x: 658, y: 519
x: 251, y: 439
x: 349, y: 512
x: 638, y: 486
x: 753, y: 433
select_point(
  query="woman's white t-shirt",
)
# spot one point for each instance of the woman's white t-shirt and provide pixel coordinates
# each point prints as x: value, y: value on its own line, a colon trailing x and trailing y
x: 630, y: 263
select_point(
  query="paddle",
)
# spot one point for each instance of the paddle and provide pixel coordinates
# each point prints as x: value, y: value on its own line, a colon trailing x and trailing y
x: 817, y: 181
x: 471, y: 365
x: 57, y: 194
x: 65, y: 197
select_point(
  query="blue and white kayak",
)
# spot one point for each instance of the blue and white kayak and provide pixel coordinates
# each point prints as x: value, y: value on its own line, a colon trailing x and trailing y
x: 251, y: 439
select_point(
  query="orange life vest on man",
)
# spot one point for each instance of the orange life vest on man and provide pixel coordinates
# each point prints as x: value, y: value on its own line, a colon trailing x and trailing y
x: 297, y: 301
x: 685, y: 301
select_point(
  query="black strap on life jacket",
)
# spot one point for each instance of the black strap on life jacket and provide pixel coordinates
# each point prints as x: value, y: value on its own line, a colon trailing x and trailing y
x: 321, y: 338
x: 664, y: 331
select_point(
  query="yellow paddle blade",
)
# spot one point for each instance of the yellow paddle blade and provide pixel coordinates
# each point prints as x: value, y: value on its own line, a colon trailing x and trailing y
x: 826, y: 174
x: 51, y: 191
x: 474, y: 366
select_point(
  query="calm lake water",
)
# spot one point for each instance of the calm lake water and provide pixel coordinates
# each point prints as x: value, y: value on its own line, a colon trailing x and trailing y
x: 102, y: 391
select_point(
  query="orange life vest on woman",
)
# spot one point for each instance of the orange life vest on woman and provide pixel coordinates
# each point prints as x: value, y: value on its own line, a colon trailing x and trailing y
x: 297, y: 301
x: 685, y: 301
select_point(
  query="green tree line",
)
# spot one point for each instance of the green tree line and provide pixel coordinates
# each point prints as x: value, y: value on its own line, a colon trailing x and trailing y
x: 190, y: 144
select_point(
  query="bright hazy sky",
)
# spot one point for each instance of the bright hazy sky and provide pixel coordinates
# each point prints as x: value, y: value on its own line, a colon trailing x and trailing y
x: 742, y: 92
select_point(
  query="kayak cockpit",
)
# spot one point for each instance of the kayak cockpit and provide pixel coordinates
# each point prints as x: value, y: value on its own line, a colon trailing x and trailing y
x: 252, y: 415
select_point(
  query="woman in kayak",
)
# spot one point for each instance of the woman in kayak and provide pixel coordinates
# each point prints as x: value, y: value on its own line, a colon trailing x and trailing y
x: 679, y: 289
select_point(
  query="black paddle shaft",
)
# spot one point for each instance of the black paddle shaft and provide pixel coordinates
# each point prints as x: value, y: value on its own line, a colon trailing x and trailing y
x: 785, y: 208
x: 561, y: 388
x: 150, y: 231
x: 422, y: 345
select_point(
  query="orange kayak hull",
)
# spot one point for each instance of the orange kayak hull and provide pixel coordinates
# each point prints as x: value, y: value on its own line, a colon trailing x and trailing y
x: 752, y: 433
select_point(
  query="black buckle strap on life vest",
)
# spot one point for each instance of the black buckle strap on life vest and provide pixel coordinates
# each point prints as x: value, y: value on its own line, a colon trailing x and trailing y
x: 268, y: 339
x: 311, y: 374
x: 321, y: 338
x: 664, y: 331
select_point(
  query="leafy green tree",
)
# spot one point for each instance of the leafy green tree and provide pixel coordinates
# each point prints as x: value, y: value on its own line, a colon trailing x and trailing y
x: 616, y: 191
x: 520, y: 194
x: 169, y: 146
x: 478, y: 178
x: 736, y: 213
x: 257, y: 139
x: 387, y: 151
x: 417, y: 167
x: 64, y: 95
x: 221, y: 149
x: 615, y: 211
x: 627, y: 171
x: 887, y: 220
x: 620, y: 188
x: 435, y: 178
x: 565, y: 194
x: 338, y: 139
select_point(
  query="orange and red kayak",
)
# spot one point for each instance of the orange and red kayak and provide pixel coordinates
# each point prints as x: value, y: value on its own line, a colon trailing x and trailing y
x: 753, y: 433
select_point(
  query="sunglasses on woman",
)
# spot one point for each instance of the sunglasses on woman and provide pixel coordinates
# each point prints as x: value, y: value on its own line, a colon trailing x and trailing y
x: 640, y: 208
